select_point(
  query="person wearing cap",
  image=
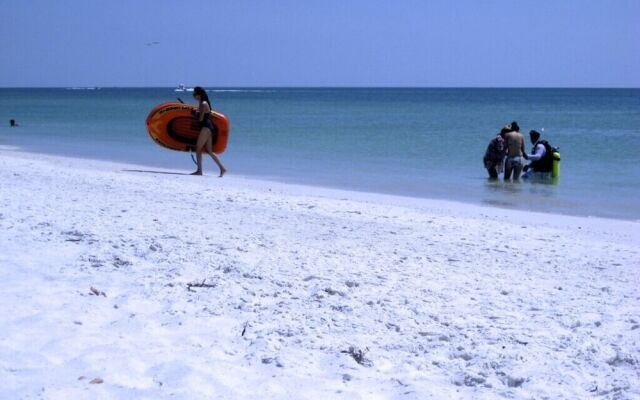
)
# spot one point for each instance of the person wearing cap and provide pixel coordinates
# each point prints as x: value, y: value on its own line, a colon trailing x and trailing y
x: 494, y: 155
x: 515, y: 151
x: 541, y: 157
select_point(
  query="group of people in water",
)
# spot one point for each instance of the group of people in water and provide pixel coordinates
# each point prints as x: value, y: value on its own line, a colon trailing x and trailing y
x: 506, y: 153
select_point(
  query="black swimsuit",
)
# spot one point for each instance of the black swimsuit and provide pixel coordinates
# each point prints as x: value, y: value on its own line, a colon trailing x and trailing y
x: 208, y: 123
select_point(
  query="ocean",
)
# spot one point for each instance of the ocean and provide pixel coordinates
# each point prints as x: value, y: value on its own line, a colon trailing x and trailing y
x: 418, y: 142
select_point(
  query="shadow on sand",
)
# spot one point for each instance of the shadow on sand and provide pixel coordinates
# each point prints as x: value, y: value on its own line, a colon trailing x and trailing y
x: 155, y: 172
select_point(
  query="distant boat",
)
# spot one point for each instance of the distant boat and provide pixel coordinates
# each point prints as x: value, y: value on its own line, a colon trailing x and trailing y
x: 182, y: 88
x: 83, y: 88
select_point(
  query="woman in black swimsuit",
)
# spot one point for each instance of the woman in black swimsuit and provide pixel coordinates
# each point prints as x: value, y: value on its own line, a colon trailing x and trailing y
x: 208, y: 132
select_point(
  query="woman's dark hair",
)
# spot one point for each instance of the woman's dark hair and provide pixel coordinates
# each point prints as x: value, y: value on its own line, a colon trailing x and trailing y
x: 199, y: 91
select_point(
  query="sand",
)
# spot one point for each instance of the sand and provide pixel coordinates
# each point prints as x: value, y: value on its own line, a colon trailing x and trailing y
x: 126, y: 282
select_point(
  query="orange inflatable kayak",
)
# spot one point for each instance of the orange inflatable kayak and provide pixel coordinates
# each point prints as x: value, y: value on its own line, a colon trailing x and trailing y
x: 174, y: 126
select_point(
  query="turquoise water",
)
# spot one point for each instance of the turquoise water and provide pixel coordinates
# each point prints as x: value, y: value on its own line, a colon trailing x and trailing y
x: 415, y: 142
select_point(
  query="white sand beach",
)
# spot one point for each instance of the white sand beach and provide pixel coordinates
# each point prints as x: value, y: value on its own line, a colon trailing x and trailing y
x: 123, y: 284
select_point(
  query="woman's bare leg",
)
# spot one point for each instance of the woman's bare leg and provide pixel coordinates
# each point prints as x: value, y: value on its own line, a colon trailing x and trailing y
x: 517, y: 170
x: 202, y: 141
x: 507, y: 171
x: 216, y: 159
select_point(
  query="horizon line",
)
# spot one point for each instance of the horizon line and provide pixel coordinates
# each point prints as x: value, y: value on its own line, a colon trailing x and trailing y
x: 320, y: 87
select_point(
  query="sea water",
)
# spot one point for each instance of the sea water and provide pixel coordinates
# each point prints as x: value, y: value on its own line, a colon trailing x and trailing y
x: 413, y: 142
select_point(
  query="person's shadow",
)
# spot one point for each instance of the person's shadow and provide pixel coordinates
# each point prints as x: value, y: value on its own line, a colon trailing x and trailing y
x: 155, y: 172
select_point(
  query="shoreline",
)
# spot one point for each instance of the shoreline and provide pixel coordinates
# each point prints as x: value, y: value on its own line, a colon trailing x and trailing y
x: 318, y: 189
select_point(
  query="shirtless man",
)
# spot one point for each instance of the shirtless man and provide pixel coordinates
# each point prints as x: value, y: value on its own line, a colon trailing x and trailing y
x: 515, y: 151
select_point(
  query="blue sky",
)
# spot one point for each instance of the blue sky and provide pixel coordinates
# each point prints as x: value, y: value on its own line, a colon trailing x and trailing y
x: 466, y: 43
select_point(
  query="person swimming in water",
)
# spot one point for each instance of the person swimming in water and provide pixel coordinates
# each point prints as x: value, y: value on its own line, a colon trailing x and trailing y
x: 208, y: 131
x: 13, y: 123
